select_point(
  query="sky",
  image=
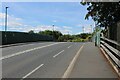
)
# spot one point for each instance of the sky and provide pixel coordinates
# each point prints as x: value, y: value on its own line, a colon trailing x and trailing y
x: 67, y: 17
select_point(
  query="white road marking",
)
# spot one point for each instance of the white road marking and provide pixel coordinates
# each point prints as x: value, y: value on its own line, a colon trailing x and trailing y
x: 22, y: 52
x: 69, y: 46
x: 72, y: 63
x: 58, y: 53
x: 32, y: 71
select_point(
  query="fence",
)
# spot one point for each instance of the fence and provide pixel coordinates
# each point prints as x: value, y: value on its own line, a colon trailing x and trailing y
x: 96, y: 37
x: 109, y: 41
x: 21, y: 37
x: 111, y: 48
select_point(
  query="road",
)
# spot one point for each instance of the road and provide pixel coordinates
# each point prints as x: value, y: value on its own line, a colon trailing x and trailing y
x: 38, y: 60
x: 55, y: 60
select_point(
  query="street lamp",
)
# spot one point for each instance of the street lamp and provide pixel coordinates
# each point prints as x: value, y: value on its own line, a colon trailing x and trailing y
x: 53, y: 31
x: 6, y: 24
x: 53, y: 27
x: 6, y: 19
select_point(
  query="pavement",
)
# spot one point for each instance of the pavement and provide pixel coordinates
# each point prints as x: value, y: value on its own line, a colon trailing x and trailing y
x: 92, y: 64
x: 52, y: 59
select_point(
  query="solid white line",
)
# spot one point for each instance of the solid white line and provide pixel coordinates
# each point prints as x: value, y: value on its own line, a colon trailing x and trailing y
x: 22, y: 52
x: 72, y: 63
x: 69, y: 46
x: 32, y: 71
x: 58, y: 53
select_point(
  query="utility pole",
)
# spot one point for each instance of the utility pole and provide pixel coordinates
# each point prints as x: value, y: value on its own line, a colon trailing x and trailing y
x: 6, y: 19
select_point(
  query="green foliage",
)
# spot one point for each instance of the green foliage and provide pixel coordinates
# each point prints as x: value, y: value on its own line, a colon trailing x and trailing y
x: 75, y: 38
x: 61, y: 38
x: 83, y: 35
x: 64, y: 38
x: 104, y: 13
x: 78, y: 40
x: 58, y: 36
x: 31, y: 31
x: 55, y: 34
x: 46, y: 32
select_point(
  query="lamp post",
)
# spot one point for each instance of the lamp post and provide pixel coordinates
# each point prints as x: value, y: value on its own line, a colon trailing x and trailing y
x: 53, y: 31
x: 6, y: 18
x: 6, y: 24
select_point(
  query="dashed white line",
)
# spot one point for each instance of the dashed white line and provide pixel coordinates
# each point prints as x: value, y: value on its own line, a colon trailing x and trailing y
x: 58, y: 54
x: 32, y: 71
x: 69, y: 46
x: 22, y: 52
x: 72, y: 63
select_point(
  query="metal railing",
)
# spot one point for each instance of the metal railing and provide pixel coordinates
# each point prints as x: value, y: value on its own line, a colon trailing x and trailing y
x: 112, y: 49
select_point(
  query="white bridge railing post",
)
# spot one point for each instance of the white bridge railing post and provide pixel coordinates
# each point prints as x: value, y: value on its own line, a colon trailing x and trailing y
x: 111, y: 49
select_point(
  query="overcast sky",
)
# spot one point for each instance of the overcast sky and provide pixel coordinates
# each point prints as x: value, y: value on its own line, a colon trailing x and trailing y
x: 40, y: 16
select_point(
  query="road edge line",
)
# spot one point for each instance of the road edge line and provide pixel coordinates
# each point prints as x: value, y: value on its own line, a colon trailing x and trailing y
x: 72, y: 63
x: 110, y: 63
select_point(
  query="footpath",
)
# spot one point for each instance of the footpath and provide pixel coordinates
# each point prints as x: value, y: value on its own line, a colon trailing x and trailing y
x: 92, y: 64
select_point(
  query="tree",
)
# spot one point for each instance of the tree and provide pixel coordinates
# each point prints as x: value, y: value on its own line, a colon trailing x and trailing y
x: 31, y: 31
x: 104, y: 13
x: 46, y: 32
x: 83, y: 35
x: 61, y: 38
x: 55, y: 34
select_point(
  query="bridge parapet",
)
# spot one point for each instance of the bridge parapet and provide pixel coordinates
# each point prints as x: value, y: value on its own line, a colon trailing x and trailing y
x: 112, y: 50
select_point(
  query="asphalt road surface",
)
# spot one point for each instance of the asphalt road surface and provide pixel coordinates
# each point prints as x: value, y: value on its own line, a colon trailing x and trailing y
x: 38, y: 60
x: 47, y: 60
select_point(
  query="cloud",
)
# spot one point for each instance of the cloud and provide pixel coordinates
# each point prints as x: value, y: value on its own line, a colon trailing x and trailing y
x: 79, y: 25
x: 48, y: 27
x: 54, y: 21
x: 88, y: 30
x: 87, y: 27
x: 66, y: 31
x: 67, y: 27
x: 10, y: 17
x: 2, y: 15
x: 15, y: 24
x: 79, y: 32
x: 12, y: 21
